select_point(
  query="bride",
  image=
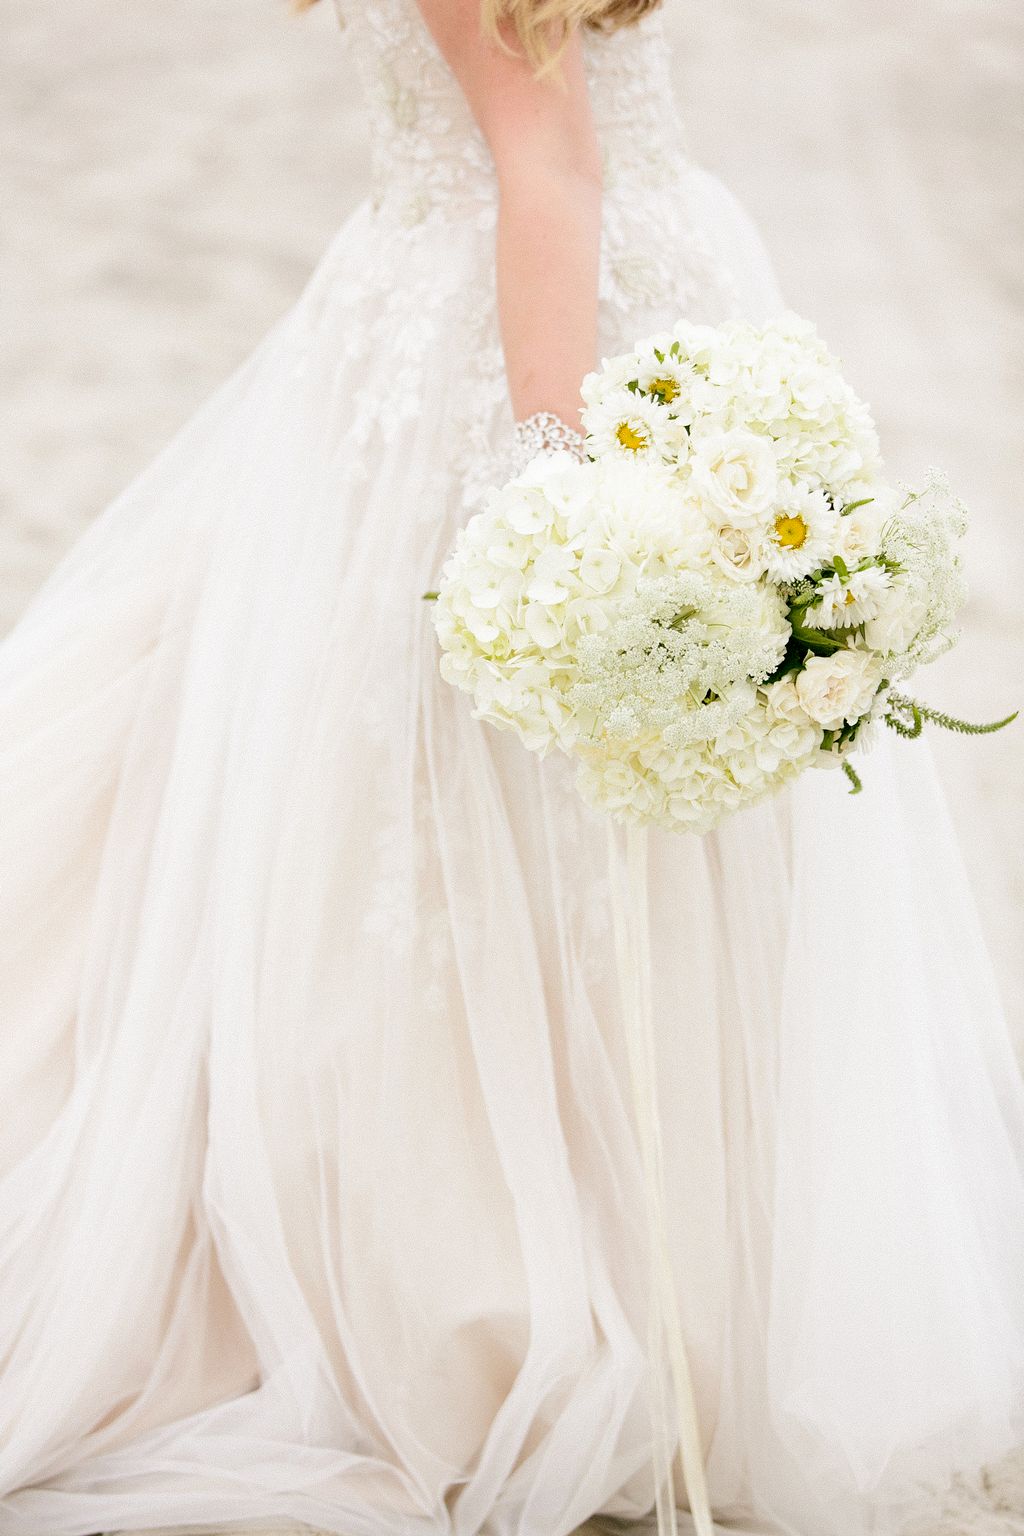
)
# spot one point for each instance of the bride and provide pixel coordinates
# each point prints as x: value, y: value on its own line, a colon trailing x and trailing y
x: 320, y: 1195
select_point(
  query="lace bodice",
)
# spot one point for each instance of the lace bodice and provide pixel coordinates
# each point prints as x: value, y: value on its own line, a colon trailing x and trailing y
x: 429, y: 156
x: 425, y: 233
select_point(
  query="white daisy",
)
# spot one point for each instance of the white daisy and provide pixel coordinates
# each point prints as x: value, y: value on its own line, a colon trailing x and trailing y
x: 669, y: 381
x: 613, y: 375
x: 799, y: 536
x: 843, y: 604
x: 633, y: 426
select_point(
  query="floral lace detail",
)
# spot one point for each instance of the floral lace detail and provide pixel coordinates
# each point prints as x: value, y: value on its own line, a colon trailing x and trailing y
x: 430, y: 162
x: 427, y: 234
x: 428, y: 156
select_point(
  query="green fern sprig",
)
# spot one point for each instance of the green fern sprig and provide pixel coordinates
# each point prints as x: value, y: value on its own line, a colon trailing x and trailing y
x: 907, y: 716
x: 854, y: 777
x: 904, y: 717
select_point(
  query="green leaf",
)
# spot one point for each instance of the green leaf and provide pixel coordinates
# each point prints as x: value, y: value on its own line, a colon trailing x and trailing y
x: 792, y: 661
x: 841, y: 568
x: 817, y: 640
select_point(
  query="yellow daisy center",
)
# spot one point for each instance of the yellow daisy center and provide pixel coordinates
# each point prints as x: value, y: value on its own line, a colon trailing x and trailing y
x: 629, y: 437
x: 666, y: 390
x: 850, y: 599
x: 790, y: 532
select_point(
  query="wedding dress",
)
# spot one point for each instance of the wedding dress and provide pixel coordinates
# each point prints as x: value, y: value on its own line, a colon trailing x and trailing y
x: 321, y: 1199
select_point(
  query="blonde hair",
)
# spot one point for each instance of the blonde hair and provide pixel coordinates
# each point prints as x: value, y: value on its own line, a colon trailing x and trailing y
x: 544, y: 27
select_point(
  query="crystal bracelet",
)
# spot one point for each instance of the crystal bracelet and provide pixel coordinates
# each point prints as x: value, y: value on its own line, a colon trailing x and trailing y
x: 544, y: 432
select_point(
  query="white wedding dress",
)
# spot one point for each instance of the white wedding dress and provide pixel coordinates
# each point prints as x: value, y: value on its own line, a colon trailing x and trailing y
x: 320, y: 1198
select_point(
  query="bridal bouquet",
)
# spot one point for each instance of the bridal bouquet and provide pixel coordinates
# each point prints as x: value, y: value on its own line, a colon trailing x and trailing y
x: 725, y: 593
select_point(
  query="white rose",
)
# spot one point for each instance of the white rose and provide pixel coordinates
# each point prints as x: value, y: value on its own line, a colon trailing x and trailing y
x: 792, y: 729
x: 783, y: 704
x: 736, y: 475
x: 838, y: 689
x: 738, y: 552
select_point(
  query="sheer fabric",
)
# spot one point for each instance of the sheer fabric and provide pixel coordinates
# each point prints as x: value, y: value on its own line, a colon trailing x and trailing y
x: 320, y: 1198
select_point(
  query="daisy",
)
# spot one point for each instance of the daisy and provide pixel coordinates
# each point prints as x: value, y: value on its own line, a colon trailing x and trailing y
x: 668, y: 380
x: 843, y: 604
x: 799, y: 536
x: 631, y: 425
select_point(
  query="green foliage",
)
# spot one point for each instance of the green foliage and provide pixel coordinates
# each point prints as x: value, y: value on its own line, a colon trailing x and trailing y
x: 907, y: 716
x: 792, y: 661
x: 816, y: 640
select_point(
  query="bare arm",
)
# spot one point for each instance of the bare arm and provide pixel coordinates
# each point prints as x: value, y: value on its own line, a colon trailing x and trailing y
x: 548, y: 165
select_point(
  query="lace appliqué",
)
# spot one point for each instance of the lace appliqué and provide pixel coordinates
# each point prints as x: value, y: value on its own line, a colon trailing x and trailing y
x: 543, y: 432
x: 425, y: 276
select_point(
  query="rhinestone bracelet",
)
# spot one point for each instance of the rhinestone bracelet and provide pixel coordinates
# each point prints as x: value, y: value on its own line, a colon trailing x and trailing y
x: 544, y: 432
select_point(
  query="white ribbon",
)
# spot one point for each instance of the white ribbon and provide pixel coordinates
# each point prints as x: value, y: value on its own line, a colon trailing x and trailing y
x: 676, y: 1421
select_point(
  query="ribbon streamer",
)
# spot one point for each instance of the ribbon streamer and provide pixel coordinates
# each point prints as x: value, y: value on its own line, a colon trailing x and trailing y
x: 664, y: 1328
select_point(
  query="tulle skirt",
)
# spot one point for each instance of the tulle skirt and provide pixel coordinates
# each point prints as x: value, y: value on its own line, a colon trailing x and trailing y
x: 321, y: 1199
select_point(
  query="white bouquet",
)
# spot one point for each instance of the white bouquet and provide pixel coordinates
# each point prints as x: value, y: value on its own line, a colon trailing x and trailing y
x: 726, y: 592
